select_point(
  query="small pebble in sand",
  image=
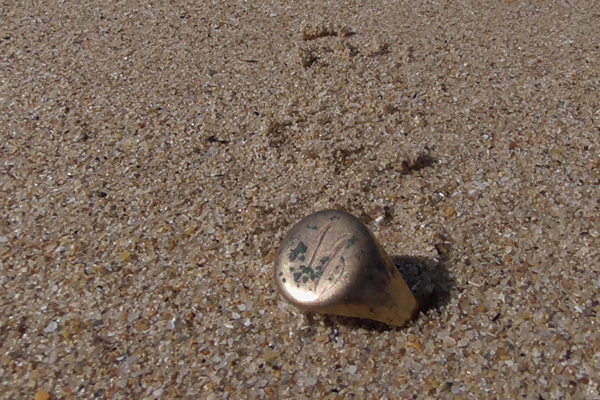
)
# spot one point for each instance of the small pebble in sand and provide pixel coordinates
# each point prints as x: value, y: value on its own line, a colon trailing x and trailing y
x: 449, y: 341
x: 310, y: 381
x: 42, y: 395
x: 51, y: 327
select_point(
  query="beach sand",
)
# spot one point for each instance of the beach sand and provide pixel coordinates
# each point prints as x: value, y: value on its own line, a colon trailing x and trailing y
x: 154, y: 154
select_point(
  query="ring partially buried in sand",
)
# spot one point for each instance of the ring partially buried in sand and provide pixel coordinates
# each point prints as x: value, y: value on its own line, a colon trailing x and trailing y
x: 331, y: 263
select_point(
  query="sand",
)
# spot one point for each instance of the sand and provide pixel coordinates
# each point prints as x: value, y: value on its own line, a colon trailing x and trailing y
x: 154, y: 154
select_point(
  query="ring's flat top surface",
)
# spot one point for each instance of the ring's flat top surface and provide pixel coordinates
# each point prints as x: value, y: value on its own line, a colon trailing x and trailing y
x: 322, y: 257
